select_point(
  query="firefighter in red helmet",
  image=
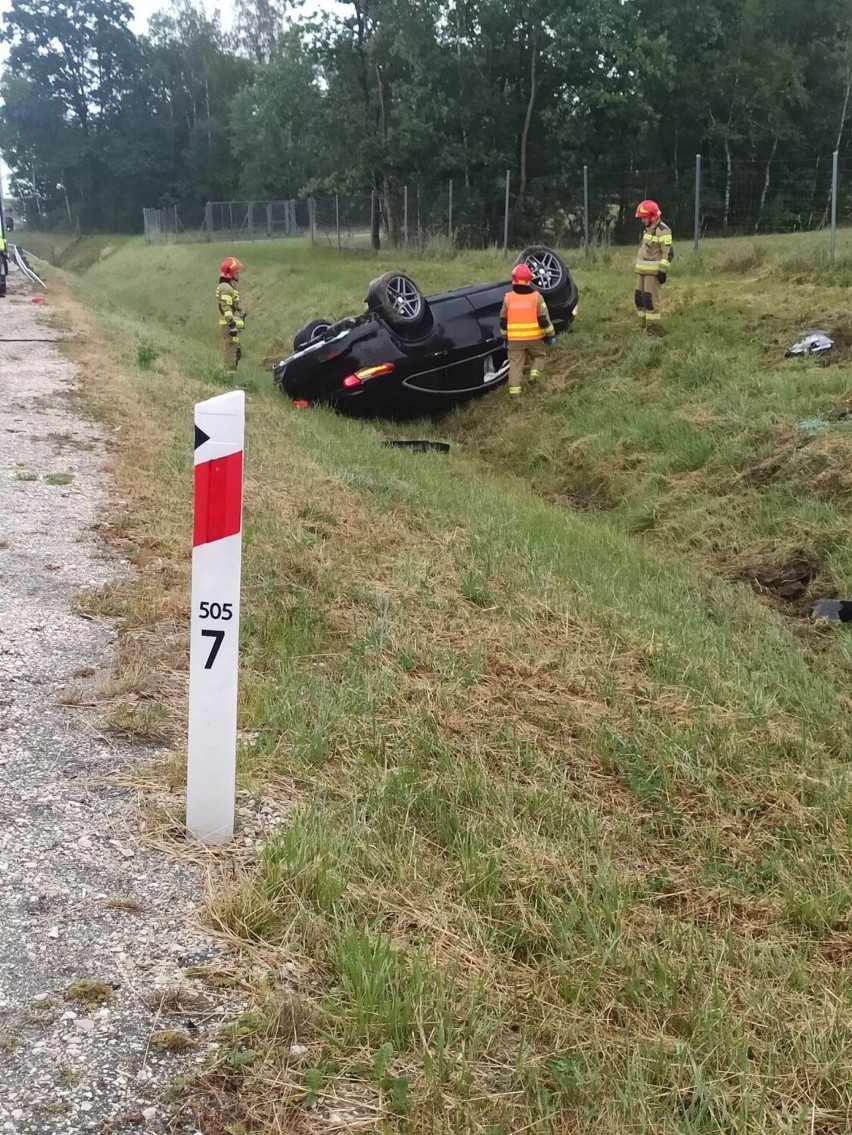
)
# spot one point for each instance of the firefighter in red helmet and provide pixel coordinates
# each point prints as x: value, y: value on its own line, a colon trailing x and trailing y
x: 525, y: 324
x: 231, y: 315
x: 653, y: 258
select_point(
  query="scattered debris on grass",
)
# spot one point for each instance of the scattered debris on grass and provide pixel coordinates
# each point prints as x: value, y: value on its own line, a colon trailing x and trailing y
x: 419, y: 446
x: 814, y: 343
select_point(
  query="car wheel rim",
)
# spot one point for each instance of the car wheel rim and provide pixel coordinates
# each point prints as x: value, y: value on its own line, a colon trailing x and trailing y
x: 404, y: 297
x: 318, y: 332
x: 546, y: 270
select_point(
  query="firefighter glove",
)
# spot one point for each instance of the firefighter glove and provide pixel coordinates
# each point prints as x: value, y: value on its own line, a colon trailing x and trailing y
x: 662, y: 277
x: 551, y: 342
x: 234, y: 331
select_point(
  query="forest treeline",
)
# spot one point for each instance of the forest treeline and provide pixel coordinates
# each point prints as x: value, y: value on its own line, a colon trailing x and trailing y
x: 98, y: 122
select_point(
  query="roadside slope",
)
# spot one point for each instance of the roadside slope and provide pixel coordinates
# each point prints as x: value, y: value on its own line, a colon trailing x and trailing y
x: 568, y: 835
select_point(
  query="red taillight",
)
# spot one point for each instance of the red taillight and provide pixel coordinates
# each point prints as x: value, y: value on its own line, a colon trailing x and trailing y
x: 365, y: 373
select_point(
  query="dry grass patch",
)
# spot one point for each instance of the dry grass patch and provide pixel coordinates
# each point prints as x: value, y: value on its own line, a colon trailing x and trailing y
x: 92, y: 994
x: 171, y: 1040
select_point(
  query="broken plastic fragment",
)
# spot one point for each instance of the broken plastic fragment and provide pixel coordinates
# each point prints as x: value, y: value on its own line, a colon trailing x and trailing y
x: 814, y: 343
x: 837, y: 610
x: 813, y: 425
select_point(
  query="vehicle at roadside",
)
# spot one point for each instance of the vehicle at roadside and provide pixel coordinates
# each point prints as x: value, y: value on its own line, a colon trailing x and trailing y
x: 411, y: 354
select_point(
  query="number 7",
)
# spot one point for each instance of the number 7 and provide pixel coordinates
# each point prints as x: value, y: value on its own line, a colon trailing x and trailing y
x: 214, y: 650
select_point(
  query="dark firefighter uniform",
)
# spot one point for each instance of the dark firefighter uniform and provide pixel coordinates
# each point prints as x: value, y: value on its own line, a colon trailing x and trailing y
x: 524, y: 324
x: 231, y: 314
x: 653, y: 259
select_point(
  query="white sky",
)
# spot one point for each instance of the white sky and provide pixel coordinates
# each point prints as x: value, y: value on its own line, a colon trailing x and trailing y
x: 144, y: 9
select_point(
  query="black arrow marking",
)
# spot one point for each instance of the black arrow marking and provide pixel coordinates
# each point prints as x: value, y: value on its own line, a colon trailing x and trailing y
x: 200, y: 437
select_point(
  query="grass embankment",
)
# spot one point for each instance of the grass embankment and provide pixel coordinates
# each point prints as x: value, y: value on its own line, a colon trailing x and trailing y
x: 569, y: 843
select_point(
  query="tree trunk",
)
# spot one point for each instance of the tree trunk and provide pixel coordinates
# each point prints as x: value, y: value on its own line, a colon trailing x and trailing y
x: 728, y: 176
x: 765, y: 186
x: 814, y: 186
x: 392, y: 210
x: 522, y: 188
x: 375, y: 222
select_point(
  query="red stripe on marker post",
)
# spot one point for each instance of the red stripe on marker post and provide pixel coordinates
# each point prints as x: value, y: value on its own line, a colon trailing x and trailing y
x: 215, y: 617
x: 218, y: 496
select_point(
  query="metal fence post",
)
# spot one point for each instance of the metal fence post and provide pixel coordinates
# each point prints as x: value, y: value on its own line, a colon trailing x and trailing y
x: 697, y: 226
x: 312, y: 218
x: 208, y: 219
x: 176, y: 224
x: 833, y: 244
x: 506, y: 211
x: 250, y: 218
x: 269, y: 219
x: 405, y: 217
x: 586, y: 206
x: 450, y: 212
x: 337, y: 217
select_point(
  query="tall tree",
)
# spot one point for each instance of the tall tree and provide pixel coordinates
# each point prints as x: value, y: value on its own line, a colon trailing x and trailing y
x: 71, y: 65
x: 258, y: 25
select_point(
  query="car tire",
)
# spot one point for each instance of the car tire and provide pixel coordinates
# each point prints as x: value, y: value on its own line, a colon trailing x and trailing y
x: 316, y: 329
x: 550, y: 272
x: 398, y: 300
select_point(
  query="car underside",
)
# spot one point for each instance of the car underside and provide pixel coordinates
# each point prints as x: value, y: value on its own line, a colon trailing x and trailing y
x: 409, y: 354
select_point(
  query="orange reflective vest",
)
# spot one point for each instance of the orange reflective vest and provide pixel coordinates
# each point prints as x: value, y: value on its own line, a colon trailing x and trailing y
x: 522, y: 317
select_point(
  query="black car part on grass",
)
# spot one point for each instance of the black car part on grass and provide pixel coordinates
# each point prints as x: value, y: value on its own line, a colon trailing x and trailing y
x: 835, y: 610
x: 420, y: 446
x: 411, y: 354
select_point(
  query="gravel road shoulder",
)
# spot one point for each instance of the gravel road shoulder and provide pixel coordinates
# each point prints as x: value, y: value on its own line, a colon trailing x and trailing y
x: 82, y: 901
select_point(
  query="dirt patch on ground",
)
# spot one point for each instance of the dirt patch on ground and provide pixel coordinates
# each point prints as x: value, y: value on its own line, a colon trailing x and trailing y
x: 788, y: 584
x: 842, y: 349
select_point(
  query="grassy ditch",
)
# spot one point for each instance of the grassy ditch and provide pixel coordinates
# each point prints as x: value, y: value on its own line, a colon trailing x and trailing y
x: 568, y: 844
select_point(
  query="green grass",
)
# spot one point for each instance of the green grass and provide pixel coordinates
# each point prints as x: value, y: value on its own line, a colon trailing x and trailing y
x: 569, y: 811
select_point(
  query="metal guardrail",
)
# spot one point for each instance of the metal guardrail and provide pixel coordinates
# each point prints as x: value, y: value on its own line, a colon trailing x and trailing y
x: 20, y: 257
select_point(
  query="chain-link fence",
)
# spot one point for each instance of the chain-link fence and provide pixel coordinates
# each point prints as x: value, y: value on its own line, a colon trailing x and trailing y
x: 585, y: 206
x: 227, y: 221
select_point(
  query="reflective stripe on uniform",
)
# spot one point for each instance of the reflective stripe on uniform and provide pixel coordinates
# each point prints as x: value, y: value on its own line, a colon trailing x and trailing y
x: 522, y: 317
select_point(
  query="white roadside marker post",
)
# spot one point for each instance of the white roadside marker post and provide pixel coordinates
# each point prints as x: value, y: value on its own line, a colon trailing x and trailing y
x: 215, y: 619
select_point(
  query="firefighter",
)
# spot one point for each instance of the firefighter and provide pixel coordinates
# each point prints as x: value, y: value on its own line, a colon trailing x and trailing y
x: 652, y: 262
x: 525, y: 324
x: 231, y: 315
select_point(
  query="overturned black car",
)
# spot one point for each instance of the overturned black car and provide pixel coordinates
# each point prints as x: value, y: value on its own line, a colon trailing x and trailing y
x: 411, y: 354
